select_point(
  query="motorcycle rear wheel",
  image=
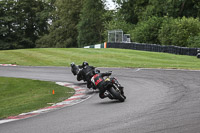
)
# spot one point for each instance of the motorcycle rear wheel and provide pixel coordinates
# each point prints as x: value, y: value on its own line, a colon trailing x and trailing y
x: 116, y: 94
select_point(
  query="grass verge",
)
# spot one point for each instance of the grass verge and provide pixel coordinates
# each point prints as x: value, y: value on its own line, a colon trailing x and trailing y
x: 24, y: 95
x: 98, y: 57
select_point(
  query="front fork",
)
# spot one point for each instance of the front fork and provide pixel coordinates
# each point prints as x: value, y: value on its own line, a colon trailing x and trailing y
x: 114, y: 81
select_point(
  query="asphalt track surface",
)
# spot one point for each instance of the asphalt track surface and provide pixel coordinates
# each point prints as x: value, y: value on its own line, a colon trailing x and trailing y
x: 158, y: 101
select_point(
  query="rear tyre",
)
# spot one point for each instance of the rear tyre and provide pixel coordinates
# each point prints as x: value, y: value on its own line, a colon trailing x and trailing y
x: 117, y: 95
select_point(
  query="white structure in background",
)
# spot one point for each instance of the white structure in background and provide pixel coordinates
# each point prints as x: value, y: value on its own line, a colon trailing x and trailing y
x: 118, y: 36
x: 127, y: 38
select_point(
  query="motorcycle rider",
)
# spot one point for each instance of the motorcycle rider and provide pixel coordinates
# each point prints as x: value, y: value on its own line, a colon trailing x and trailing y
x: 86, y: 72
x: 102, y: 84
x: 74, y: 68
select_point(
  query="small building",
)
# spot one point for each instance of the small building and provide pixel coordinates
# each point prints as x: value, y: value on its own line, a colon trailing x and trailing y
x: 117, y: 36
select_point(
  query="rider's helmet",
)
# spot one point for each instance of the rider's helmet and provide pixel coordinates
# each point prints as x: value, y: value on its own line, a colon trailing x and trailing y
x: 85, y: 64
x: 72, y: 64
x: 96, y: 71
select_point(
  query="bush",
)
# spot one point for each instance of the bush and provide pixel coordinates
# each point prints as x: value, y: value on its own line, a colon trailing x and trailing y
x: 25, y: 43
x: 178, y: 31
x: 194, y: 41
x: 5, y: 45
x: 147, y: 31
x: 45, y: 41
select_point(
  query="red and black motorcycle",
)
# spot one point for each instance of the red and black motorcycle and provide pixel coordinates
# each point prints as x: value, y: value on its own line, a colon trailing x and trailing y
x: 113, y: 89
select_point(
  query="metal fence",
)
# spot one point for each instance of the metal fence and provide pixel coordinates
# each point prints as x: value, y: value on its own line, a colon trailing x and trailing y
x: 115, y: 36
x: 155, y: 48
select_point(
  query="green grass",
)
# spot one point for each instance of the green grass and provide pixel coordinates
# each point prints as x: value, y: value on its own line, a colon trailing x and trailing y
x: 98, y: 57
x: 24, y: 95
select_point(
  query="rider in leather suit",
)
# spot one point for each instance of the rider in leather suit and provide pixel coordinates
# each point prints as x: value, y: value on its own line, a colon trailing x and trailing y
x: 86, y: 73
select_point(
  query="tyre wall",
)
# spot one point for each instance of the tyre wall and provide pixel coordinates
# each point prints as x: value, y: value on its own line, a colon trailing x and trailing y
x: 155, y: 48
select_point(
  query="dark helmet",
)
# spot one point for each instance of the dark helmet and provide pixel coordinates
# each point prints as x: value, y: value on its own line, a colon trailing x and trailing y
x: 96, y: 71
x: 72, y: 64
x: 85, y: 64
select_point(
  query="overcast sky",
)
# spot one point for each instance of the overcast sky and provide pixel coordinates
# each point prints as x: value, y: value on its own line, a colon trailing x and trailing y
x: 110, y: 4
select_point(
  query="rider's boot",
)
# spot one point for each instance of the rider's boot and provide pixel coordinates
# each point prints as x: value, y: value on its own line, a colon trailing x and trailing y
x: 102, y: 96
x: 121, y: 87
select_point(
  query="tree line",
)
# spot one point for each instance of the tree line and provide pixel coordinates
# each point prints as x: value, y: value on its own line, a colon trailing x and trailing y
x: 76, y: 23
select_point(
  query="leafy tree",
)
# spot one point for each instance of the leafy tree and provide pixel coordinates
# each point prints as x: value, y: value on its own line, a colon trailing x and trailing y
x: 128, y: 10
x: 167, y: 22
x: 7, y: 19
x: 22, y: 22
x: 33, y: 19
x: 90, y: 26
x: 131, y: 10
x: 63, y: 32
x: 140, y: 10
x: 172, y: 8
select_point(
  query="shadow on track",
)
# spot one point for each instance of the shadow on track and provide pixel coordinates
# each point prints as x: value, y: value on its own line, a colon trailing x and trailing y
x: 109, y: 102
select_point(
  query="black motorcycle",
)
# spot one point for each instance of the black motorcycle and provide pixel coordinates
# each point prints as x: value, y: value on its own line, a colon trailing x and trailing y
x: 76, y: 70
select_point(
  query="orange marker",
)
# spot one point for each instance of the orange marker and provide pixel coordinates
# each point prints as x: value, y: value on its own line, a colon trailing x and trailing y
x: 105, y: 45
x: 53, y: 92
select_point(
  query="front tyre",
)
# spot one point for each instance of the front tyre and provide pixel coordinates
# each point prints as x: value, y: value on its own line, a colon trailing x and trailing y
x: 117, y: 94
